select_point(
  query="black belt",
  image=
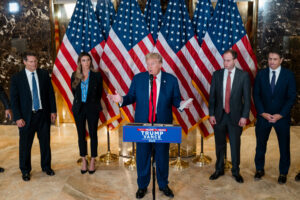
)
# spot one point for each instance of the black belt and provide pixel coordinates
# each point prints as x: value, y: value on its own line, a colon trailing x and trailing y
x: 36, y: 111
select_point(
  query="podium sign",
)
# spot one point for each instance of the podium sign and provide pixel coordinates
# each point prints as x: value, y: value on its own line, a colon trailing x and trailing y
x: 159, y: 133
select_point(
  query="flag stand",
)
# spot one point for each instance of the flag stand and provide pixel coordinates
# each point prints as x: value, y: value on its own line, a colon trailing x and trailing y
x: 108, y: 157
x: 179, y: 164
x: 202, y: 159
x: 227, y: 164
x: 131, y: 164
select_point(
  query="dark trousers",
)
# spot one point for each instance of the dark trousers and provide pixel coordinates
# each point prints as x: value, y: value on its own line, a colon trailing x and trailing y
x: 234, y: 133
x: 282, y: 129
x: 143, y: 156
x: 92, y: 120
x: 39, y: 123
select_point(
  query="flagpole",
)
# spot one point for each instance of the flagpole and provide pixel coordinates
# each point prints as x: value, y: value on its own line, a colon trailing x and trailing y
x: 108, y: 157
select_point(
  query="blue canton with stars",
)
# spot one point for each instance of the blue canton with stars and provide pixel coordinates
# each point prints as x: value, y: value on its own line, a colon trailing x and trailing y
x: 153, y: 15
x: 177, y: 26
x: 105, y: 13
x: 129, y: 24
x: 226, y: 26
x: 83, y: 30
x: 204, y: 11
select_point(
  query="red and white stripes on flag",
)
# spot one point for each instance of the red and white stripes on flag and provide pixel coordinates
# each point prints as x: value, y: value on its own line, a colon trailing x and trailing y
x: 121, y: 65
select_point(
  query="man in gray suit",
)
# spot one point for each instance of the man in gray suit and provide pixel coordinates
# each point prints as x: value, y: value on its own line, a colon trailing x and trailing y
x: 229, y: 107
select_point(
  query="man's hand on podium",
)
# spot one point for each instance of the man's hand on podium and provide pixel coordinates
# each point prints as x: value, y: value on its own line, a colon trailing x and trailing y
x: 117, y: 98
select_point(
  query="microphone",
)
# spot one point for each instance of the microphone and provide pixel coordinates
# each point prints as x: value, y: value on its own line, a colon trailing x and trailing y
x: 151, y: 79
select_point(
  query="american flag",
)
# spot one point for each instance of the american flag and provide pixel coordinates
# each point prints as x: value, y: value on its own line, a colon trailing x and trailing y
x: 153, y: 16
x: 227, y: 31
x: 178, y: 46
x: 105, y: 13
x: 124, y: 54
x: 83, y: 34
x: 203, y: 12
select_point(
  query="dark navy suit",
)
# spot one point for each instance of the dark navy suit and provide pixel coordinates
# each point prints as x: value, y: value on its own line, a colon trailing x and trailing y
x: 169, y: 95
x: 21, y: 103
x: 280, y: 102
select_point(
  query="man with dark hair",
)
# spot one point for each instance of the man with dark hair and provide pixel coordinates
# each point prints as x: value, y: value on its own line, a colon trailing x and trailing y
x: 8, y: 115
x: 274, y: 94
x: 34, y: 107
x: 229, y: 107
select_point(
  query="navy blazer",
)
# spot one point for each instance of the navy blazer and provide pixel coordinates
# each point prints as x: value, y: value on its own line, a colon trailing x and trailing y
x: 169, y: 95
x: 93, y: 96
x: 283, y: 98
x: 21, y: 100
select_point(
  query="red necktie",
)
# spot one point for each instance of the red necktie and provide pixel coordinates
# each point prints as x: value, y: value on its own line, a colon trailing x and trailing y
x: 154, y: 101
x: 227, y: 93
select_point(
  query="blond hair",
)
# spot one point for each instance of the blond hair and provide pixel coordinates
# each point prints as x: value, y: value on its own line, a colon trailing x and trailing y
x: 156, y: 56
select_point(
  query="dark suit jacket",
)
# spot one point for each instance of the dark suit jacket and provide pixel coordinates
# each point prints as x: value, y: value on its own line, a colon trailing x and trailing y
x: 283, y: 98
x: 169, y: 95
x: 240, y: 96
x: 93, y: 96
x: 21, y: 100
x: 4, y: 98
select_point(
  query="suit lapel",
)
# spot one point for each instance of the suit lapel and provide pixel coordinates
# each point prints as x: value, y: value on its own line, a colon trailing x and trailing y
x: 235, y: 82
x: 221, y: 78
x: 266, y: 79
x: 163, y: 83
x: 279, y: 81
x: 26, y: 83
x: 91, y: 79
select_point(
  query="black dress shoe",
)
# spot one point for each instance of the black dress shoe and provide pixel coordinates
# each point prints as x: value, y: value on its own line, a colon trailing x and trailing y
x: 167, y: 191
x: 91, y: 172
x: 259, y: 174
x: 140, y: 193
x: 297, y: 178
x: 216, y: 175
x: 282, y: 179
x: 238, y: 178
x: 26, y: 177
x: 83, y: 171
x: 1, y: 170
x: 49, y: 172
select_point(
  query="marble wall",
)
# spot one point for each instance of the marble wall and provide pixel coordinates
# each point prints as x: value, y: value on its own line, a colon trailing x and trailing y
x: 27, y: 29
x: 279, y: 25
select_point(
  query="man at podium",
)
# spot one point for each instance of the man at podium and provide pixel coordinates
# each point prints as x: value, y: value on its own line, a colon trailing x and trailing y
x: 165, y: 95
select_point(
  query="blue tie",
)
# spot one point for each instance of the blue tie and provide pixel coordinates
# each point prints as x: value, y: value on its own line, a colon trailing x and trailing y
x: 273, y: 81
x: 36, y: 102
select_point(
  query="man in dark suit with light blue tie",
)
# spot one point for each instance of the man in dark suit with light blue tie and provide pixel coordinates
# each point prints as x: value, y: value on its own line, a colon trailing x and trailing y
x: 165, y: 95
x: 274, y: 94
x: 34, y: 108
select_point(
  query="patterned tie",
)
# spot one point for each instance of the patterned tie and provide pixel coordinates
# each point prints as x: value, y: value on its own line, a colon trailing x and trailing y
x: 227, y: 93
x: 36, y: 103
x: 273, y: 81
x: 154, y: 101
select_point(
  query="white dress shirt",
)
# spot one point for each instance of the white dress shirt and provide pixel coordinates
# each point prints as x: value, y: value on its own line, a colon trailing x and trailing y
x: 225, y: 82
x: 158, y: 81
x: 277, y: 72
x: 29, y: 78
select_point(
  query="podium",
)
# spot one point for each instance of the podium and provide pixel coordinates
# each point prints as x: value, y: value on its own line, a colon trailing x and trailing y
x: 159, y: 133
x: 146, y: 133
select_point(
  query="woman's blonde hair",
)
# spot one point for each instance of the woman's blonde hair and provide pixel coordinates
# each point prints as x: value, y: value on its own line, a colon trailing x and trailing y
x: 78, y: 73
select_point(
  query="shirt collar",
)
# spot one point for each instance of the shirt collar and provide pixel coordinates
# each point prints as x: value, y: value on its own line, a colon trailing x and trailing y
x: 158, y: 76
x: 232, y: 71
x: 276, y: 70
x: 29, y: 72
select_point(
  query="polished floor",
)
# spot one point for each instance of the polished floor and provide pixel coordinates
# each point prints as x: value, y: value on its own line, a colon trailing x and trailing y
x: 114, y: 181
